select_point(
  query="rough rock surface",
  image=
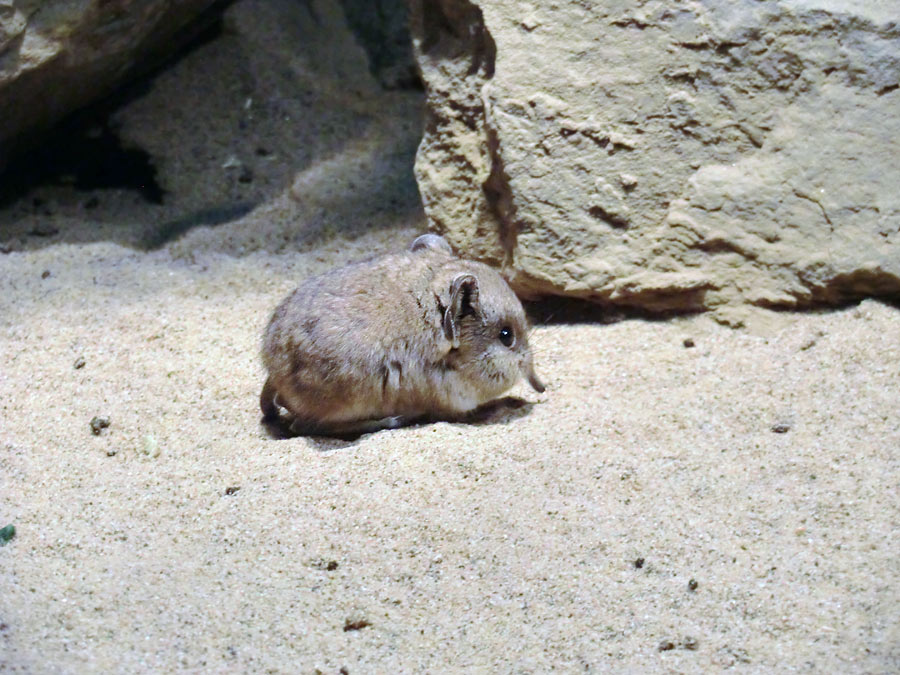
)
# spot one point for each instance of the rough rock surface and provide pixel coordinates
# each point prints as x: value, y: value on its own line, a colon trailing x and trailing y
x: 667, y: 156
x: 271, y: 133
x: 58, y: 55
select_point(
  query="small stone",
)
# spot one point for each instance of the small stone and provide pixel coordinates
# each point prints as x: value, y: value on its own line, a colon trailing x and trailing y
x: 327, y: 565
x: 7, y: 533
x: 810, y: 341
x: 45, y: 274
x: 231, y: 490
x: 151, y: 446
x: 355, y: 624
x: 692, y: 585
x: 781, y: 427
x: 666, y: 645
x: 98, y: 424
x: 638, y: 563
x: 688, y: 343
x: 246, y: 175
x: 690, y: 643
x: 79, y: 363
x: 530, y: 22
x: 112, y: 452
x: 627, y: 181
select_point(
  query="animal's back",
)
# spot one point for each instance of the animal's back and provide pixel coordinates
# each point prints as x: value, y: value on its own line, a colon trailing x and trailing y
x: 339, y: 347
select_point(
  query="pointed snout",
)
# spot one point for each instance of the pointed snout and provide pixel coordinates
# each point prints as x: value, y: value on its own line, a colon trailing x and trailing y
x: 531, y: 376
x: 535, y: 383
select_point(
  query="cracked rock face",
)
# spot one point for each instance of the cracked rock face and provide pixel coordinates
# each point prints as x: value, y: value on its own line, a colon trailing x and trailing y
x: 667, y: 156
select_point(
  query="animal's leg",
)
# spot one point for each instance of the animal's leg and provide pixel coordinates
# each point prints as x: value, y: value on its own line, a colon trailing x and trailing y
x: 351, y: 428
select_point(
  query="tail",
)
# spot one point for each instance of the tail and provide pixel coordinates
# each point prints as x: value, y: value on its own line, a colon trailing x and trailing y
x: 267, y: 401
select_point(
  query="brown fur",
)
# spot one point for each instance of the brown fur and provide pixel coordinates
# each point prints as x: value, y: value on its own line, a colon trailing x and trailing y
x: 400, y: 337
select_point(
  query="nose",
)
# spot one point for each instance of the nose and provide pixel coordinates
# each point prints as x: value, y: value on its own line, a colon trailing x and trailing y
x: 531, y: 376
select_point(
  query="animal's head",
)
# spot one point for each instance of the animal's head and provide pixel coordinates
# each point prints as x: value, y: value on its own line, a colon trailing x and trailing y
x: 486, y: 326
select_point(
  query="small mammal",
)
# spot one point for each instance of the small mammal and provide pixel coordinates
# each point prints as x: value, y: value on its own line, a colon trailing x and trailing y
x: 405, y: 337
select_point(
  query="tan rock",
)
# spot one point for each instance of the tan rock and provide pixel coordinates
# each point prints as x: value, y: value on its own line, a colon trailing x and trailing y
x: 707, y: 155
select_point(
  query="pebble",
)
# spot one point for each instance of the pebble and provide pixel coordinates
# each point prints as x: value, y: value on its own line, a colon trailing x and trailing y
x: 98, y: 424
x: 7, y: 533
x: 358, y: 624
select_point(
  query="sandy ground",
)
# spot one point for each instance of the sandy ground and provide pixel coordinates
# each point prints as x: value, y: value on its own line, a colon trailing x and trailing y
x: 661, y: 508
x: 511, y: 545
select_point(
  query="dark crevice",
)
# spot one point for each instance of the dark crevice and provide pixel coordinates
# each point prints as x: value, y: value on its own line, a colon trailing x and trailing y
x: 453, y: 30
x: 498, y: 196
x: 855, y: 286
x: 716, y: 246
x: 87, y: 155
x: 725, y: 48
x: 612, y: 219
x: 381, y: 27
x: 485, y: 54
x: 559, y: 310
x: 631, y: 22
x: 435, y: 24
x: 696, y: 46
x: 84, y: 150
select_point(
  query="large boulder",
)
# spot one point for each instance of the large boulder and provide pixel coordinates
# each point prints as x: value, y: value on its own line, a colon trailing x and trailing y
x: 59, y: 55
x: 706, y: 154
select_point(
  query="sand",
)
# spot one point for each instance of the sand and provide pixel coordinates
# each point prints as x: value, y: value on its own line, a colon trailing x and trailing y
x: 661, y: 508
x: 512, y: 545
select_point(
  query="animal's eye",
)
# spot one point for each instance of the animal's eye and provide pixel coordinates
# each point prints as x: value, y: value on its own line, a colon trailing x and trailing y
x: 507, y: 336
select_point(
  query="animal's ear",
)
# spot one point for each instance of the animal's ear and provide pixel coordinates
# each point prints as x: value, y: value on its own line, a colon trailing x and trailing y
x: 432, y: 241
x: 463, y: 300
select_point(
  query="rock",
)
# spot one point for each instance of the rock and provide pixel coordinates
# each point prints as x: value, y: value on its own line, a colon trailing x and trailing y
x: 713, y: 155
x: 79, y: 51
x: 98, y: 424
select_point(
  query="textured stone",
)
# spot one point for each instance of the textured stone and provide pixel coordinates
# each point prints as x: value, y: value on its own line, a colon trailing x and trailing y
x: 58, y: 55
x: 667, y: 155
